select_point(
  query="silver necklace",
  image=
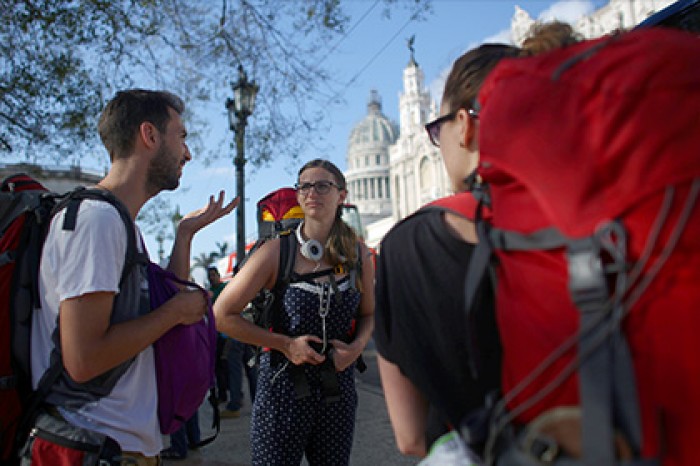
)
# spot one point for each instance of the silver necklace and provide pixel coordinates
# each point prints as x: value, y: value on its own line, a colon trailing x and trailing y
x: 323, y: 308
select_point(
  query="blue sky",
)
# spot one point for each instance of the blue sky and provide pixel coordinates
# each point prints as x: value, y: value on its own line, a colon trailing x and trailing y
x: 372, y: 56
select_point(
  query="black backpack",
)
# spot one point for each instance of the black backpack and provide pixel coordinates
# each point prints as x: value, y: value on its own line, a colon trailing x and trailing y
x: 26, y: 209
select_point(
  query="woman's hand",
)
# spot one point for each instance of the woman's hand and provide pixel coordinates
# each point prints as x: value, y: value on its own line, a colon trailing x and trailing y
x: 299, y: 351
x: 344, y: 354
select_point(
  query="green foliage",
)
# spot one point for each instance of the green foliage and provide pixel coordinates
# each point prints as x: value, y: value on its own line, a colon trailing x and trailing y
x: 205, y: 260
x: 62, y: 59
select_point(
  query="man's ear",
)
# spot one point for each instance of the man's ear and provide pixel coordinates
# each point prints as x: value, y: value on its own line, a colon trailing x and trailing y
x: 149, y: 135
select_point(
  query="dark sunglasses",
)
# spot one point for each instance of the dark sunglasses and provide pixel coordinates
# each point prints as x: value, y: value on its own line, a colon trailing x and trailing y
x: 433, y: 128
x: 321, y: 187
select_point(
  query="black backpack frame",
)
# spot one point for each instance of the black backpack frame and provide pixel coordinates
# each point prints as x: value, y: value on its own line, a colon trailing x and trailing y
x: 264, y: 310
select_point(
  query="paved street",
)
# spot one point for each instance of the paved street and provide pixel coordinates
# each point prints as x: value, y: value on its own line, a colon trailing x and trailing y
x: 373, y: 445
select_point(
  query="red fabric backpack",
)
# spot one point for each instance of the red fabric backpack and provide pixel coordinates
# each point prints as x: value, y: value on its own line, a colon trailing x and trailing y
x: 20, y: 196
x: 589, y: 155
x: 26, y: 210
x: 278, y: 211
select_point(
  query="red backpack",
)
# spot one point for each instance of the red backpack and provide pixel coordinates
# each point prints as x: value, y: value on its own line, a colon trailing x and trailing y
x: 589, y: 156
x: 26, y: 209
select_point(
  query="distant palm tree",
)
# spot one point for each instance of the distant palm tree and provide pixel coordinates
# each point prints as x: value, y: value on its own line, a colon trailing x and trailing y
x: 223, y: 249
x: 204, y: 260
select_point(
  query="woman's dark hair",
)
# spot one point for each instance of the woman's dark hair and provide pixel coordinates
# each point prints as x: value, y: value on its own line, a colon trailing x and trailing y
x: 341, y: 246
x: 470, y: 70
x: 544, y: 37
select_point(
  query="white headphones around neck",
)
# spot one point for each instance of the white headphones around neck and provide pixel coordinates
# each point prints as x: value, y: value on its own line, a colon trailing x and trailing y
x: 311, y: 249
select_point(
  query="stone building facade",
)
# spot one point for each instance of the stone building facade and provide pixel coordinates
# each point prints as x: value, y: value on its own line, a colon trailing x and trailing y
x: 391, y: 173
x: 59, y: 179
x: 368, y: 167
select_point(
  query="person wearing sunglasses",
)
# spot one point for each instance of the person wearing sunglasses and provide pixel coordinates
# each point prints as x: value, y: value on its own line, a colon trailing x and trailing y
x: 332, y: 289
x: 420, y: 319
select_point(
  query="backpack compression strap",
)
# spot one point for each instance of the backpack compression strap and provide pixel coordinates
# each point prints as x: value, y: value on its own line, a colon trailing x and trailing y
x: 606, y: 375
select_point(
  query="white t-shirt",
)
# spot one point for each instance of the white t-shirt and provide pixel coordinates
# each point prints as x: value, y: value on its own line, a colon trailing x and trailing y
x: 86, y: 260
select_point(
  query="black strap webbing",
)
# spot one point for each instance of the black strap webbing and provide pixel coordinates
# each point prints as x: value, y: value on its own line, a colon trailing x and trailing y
x: 547, y: 238
x: 72, y: 205
x: 478, y: 266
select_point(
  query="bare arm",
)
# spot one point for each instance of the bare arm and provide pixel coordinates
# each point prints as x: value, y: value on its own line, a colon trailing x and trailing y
x: 346, y: 353
x: 408, y: 409
x: 91, y: 346
x: 189, y: 225
x: 259, y: 272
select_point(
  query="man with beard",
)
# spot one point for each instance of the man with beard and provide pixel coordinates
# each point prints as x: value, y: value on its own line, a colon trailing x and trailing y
x: 106, y: 327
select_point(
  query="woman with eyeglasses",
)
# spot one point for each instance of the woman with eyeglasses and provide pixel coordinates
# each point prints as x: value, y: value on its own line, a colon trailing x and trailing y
x: 420, y: 321
x: 306, y: 399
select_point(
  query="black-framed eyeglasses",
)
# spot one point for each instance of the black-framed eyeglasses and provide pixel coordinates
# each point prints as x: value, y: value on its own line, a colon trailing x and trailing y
x: 433, y: 128
x: 321, y: 187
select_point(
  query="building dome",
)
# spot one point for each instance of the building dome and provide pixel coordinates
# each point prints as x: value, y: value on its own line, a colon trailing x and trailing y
x: 367, y: 171
x: 375, y: 128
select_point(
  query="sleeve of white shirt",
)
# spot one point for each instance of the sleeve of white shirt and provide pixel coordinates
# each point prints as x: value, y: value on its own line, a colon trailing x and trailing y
x: 90, y: 258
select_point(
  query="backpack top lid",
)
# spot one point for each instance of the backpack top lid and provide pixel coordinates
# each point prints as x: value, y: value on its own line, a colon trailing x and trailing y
x: 20, y: 182
x: 590, y: 129
x: 277, y: 211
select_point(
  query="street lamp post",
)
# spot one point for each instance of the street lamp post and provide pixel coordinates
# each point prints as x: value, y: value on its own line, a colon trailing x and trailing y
x: 175, y: 220
x: 239, y: 109
x: 161, y: 252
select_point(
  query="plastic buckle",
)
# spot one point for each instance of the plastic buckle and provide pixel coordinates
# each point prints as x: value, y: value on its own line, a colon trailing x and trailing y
x: 544, y: 449
x: 587, y: 283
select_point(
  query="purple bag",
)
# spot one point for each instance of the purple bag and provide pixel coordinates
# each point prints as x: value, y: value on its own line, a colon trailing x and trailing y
x: 184, y: 356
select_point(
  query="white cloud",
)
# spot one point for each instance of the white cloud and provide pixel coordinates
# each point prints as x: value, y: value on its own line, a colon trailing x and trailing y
x: 437, y: 85
x: 569, y: 11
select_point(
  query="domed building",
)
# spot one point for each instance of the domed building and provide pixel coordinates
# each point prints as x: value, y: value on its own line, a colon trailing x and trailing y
x: 367, y: 172
x: 392, y: 173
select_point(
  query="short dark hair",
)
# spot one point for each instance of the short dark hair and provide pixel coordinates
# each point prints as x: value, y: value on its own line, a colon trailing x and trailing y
x: 122, y: 116
x: 471, y: 69
x: 469, y: 72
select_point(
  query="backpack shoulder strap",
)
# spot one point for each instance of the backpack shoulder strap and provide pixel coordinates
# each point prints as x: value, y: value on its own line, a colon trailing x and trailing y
x: 288, y: 252
x: 358, y: 267
x: 72, y: 204
x: 287, y: 258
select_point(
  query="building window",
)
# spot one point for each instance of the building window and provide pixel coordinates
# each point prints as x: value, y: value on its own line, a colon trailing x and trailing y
x: 366, y: 160
x: 380, y: 182
x: 379, y: 159
x: 397, y: 190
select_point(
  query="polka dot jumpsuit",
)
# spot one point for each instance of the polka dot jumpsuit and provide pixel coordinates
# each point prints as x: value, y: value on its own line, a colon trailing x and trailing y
x: 284, y: 427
